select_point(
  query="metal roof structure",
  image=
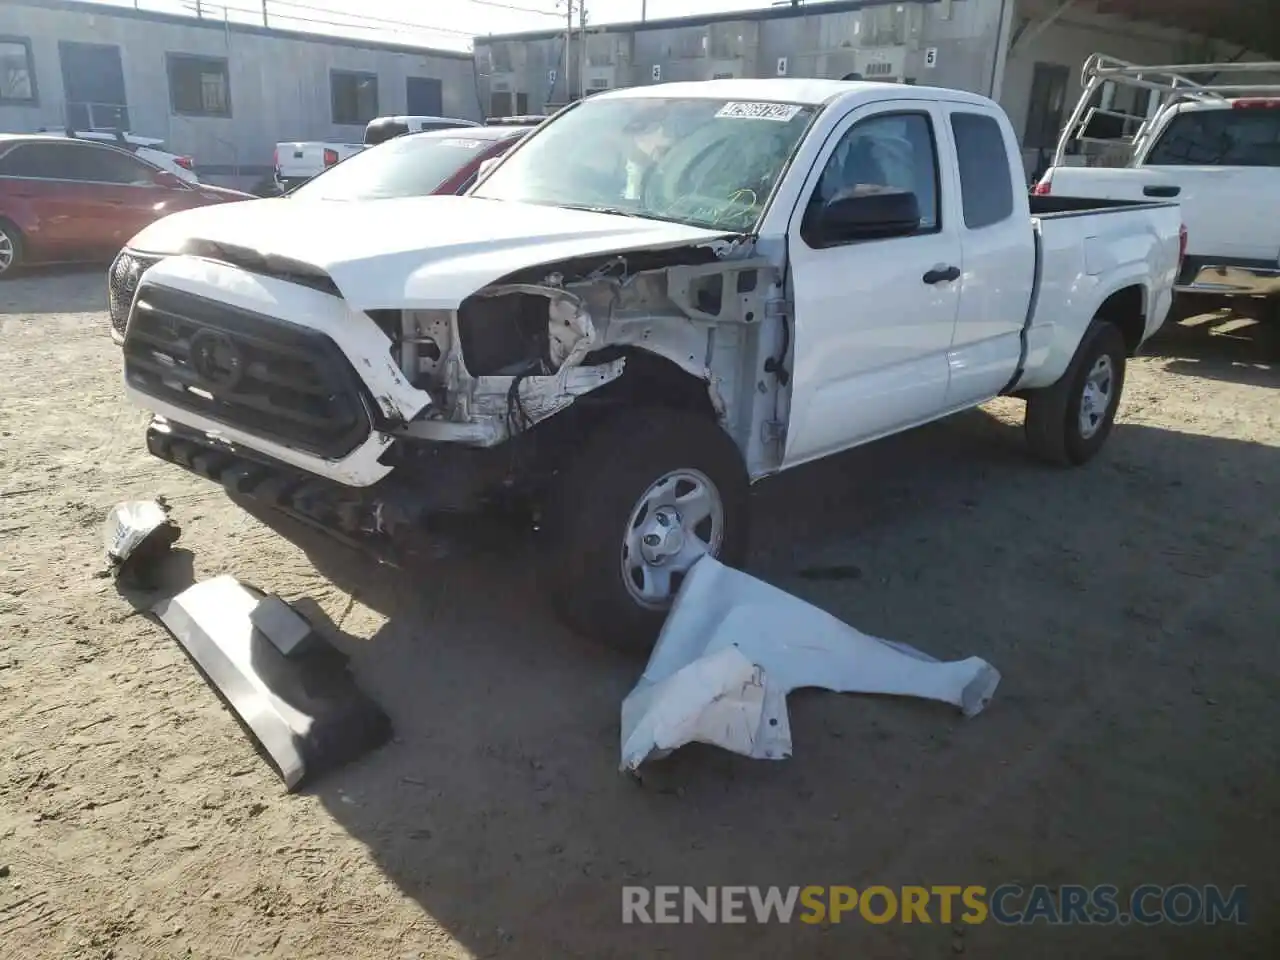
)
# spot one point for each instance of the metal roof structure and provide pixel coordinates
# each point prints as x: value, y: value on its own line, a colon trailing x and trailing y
x: 1252, y: 24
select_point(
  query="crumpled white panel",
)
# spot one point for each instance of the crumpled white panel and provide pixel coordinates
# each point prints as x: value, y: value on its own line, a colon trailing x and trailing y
x: 733, y: 647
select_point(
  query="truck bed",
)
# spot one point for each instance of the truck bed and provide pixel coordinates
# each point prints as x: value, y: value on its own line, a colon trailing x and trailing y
x: 1052, y: 207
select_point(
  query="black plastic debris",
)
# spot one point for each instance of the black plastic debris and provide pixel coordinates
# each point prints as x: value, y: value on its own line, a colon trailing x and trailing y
x: 137, y: 534
x: 289, y: 687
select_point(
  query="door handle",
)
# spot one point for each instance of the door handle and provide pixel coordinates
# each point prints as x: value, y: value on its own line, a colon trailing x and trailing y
x: 942, y: 274
x: 1161, y: 191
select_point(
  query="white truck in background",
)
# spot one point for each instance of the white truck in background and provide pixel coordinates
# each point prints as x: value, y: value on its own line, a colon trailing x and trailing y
x: 662, y: 295
x: 296, y: 162
x: 1214, y: 147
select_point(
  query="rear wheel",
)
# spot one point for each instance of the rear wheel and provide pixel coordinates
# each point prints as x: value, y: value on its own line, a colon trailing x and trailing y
x: 1067, y: 423
x: 10, y: 249
x: 650, y: 493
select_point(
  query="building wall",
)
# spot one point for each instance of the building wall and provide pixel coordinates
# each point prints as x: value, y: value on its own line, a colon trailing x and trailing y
x: 826, y: 44
x: 279, y: 81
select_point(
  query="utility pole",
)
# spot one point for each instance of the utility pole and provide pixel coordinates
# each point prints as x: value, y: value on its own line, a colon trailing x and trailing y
x: 568, y: 43
x: 199, y: 11
x: 644, y: 10
x: 582, y: 48
x: 264, y: 12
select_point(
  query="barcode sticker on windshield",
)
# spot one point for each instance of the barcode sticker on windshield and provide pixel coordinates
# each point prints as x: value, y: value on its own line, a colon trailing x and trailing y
x: 455, y: 142
x: 782, y: 112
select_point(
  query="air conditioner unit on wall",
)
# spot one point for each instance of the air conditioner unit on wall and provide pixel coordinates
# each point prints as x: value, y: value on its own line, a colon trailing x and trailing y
x: 601, y: 78
x: 882, y: 63
x: 886, y: 64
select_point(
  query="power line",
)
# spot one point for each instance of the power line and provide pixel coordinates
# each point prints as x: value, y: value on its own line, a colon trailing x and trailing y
x: 293, y: 17
x: 507, y: 6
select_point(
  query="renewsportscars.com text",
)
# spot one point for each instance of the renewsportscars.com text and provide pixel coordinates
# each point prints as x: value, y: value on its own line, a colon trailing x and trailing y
x: 1008, y: 904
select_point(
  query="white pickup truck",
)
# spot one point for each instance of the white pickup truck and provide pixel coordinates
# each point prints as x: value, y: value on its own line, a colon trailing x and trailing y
x: 296, y: 162
x: 1213, y: 147
x: 662, y: 295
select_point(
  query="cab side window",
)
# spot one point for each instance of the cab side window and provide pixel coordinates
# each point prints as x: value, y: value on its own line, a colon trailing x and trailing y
x: 894, y: 151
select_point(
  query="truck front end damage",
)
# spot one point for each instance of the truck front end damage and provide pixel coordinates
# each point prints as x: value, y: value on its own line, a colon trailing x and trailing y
x: 365, y: 421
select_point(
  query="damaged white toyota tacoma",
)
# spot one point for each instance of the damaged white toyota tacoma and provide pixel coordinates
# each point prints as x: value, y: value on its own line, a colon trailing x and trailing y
x: 661, y: 296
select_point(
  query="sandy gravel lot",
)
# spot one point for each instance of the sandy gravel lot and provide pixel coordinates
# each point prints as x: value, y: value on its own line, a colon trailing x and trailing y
x: 1133, y: 607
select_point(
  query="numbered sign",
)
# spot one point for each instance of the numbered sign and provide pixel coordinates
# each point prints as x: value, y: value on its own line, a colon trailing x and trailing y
x: 782, y: 66
x: 931, y: 57
x: 657, y: 71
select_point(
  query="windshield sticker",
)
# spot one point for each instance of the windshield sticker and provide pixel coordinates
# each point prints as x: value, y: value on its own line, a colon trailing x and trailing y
x: 782, y: 112
x: 455, y: 142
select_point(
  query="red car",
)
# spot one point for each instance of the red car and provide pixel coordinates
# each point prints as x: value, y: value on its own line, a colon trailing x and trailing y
x: 413, y: 165
x: 65, y: 200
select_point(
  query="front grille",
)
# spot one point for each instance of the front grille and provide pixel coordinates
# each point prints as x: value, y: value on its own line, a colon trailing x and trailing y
x: 271, y: 378
x: 122, y: 283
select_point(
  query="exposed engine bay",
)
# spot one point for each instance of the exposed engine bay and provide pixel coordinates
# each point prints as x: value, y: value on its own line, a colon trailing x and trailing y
x: 526, y: 347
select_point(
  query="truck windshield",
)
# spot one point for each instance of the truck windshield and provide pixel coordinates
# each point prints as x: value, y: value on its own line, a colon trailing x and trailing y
x: 703, y: 162
x: 409, y: 166
x: 1243, y: 137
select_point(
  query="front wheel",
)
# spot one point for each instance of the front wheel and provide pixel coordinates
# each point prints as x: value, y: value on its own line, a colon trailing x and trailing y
x: 1067, y: 423
x: 650, y: 492
x: 10, y: 249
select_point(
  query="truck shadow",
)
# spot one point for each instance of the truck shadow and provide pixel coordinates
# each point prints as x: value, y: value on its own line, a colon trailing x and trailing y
x: 499, y: 809
x: 1236, y: 348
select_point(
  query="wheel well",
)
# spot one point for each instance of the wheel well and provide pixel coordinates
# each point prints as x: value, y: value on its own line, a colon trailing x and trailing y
x: 649, y: 380
x: 1126, y: 309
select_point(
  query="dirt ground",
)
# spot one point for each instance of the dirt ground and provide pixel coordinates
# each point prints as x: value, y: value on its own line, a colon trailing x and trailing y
x: 1133, y: 608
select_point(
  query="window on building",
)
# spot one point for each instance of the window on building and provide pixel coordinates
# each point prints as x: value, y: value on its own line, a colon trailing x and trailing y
x: 199, y: 86
x: 508, y: 104
x: 17, y: 71
x: 986, y: 187
x: 354, y: 97
x: 889, y: 150
x: 1048, y: 99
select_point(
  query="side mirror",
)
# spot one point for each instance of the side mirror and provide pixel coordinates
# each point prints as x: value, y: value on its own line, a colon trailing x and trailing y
x: 876, y: 214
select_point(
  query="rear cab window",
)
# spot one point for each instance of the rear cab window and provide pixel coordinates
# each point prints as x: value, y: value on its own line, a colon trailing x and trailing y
x: 1240, y: 136
x: 986, y: 184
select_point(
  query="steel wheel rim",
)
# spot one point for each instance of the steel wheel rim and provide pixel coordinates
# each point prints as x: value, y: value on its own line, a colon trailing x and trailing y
x: 1096, y: 398
x: 6, y: 251
x: 678, y: 520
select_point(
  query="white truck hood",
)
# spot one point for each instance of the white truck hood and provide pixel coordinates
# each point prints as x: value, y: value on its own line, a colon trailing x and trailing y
x: 414, y: 253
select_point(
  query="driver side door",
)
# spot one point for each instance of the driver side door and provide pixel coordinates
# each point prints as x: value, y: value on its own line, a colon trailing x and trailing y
x: 873, y: 319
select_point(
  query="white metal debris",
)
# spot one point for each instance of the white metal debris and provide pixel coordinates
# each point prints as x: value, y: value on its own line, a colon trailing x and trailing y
x: 733, y: 647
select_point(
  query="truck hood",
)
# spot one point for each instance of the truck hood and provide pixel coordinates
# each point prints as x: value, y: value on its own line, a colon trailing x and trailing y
x: 415, y: 253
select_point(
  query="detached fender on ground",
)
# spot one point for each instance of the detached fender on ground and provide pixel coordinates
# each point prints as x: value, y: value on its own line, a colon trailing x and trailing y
x: 732, y: 649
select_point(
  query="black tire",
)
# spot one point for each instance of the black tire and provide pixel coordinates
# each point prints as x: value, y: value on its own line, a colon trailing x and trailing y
x: 592, y: 504
x: 1053, y: 425
x: 13, y: 236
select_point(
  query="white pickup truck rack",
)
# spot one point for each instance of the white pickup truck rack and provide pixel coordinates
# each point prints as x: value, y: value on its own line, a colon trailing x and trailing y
x: 1172, y: 82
